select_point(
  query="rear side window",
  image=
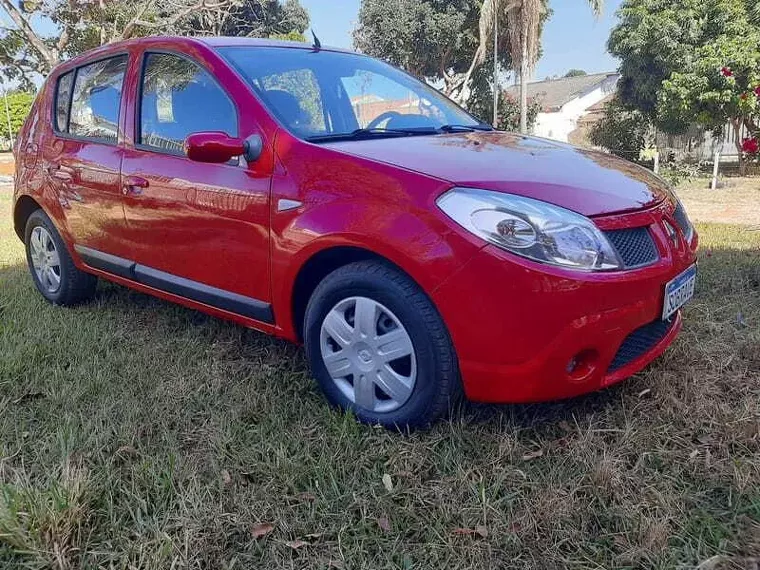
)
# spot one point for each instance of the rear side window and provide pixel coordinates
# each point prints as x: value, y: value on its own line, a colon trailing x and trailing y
x: 95, y: 103
x: 180, y: 98
x: 63, y: 101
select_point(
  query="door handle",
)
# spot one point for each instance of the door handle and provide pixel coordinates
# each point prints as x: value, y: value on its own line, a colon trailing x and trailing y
x: 134, y: 185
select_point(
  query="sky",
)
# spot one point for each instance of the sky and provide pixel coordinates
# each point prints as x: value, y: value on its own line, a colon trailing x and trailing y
x: 572, y: 38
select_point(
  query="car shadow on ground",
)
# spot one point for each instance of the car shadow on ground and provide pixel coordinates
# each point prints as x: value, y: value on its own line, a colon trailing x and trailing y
x: 146, y: 316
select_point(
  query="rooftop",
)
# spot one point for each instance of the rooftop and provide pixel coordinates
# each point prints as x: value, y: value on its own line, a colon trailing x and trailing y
x: 554, y: 93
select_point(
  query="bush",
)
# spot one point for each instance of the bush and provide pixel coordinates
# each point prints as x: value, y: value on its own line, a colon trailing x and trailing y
x: 624, y: 132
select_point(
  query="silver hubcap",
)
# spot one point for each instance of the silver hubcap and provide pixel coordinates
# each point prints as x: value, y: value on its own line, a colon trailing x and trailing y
x: 368, y: 354
x: 45, y: 259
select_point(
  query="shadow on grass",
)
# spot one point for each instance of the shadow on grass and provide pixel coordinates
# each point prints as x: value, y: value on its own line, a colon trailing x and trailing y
x: 135, y: 309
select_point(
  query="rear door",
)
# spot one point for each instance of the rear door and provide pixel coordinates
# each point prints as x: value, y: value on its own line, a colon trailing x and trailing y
x: 82, y: 158
x: 195, y: 229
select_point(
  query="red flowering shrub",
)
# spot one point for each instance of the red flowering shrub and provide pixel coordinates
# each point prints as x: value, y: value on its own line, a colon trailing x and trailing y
x: 751, y: 146
x: 726, y: 72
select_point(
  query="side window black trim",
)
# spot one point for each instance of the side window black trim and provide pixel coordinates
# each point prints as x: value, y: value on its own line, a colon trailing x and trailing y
x: 138, y: 144
x: 75, y: 72
x: 54, y: 106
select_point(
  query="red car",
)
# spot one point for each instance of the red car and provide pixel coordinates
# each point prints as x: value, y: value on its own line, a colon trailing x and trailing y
x: 327, y: 198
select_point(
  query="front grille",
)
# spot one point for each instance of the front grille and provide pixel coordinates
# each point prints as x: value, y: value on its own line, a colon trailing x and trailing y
x: 635, y: 246
x: 683, y: 221
x: 640, y: 341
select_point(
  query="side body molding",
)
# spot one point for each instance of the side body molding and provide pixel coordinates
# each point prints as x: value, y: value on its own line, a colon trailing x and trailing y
x: 193, y: 290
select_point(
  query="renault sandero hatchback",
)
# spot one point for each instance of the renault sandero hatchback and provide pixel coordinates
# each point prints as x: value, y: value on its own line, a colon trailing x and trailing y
x: 332, y: 200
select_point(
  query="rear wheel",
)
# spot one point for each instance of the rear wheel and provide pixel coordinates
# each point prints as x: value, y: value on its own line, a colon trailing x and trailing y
x: 378, y: 347
x: 51, y: 266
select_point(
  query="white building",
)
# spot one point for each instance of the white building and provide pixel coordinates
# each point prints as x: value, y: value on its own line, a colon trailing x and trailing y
x: 567, y: 100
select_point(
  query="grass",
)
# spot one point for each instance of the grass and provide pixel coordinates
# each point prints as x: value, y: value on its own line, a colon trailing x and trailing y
x: 137, y: 434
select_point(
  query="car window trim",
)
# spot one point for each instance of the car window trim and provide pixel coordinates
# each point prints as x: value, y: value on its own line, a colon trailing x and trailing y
x: 75, y: 72
x: 54, y: 118
x: 138, y: 145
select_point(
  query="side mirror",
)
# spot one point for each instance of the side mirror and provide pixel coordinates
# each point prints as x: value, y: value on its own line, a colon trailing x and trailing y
x: 212, y: 146
x: 218, y: 147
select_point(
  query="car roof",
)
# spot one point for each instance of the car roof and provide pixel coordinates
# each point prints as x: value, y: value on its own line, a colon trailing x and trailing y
x: 211, y: 42
x: 228, y: 41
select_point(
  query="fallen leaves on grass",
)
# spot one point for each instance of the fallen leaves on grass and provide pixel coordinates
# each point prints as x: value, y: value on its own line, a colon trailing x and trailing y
x: 387, y: 482
x: 479, y: 530
x: 296, y: 544
x: 384, y: 524
x: 261, y: 529
x: 532, y: 455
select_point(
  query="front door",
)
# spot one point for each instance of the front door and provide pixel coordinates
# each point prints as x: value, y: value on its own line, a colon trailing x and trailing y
x: 82, y: 159
x: 197, y: 230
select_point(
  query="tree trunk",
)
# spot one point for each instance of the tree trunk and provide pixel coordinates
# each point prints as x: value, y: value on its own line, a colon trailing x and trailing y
x: 737, y: 126
x: 101, y: 18
x: 496, y: 65
x: 48, y: 56
x: 524, y: 83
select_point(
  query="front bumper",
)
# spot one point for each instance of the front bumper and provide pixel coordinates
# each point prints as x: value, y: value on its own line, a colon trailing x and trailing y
x: 526, y: 332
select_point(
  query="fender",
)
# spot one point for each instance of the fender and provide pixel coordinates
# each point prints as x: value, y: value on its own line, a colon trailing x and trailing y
x: 419, y: 245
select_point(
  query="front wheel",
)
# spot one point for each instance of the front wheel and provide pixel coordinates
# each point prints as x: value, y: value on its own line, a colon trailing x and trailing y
x: 378, y: 347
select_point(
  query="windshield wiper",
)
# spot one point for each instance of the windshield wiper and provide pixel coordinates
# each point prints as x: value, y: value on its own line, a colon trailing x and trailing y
x: 365, y: 133
x: 464, y: 128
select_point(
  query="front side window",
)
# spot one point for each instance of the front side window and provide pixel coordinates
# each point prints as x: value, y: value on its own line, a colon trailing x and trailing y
x: 296, y: 92
x: 324, y: 94
x: 96, y: 100
x: 180, y: 98
x: 63, y: 101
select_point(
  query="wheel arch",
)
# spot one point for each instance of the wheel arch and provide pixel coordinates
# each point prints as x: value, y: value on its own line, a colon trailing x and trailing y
x: 25, y: 207
x: 319, y: 266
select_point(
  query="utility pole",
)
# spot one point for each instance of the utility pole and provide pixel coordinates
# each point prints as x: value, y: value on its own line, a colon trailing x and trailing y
x: 495, y: 64
x: 8, y: 116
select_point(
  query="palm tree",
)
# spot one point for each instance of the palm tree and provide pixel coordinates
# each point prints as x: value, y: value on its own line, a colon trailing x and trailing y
x: 524, y: 18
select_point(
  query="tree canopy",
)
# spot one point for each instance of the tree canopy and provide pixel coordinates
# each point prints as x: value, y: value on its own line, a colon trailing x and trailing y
x: 41, y: 34
x: 691, y: 61
x: 437, y: 40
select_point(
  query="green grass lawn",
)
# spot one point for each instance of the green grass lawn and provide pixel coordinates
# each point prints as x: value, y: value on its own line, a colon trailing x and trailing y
x: 138, y: 434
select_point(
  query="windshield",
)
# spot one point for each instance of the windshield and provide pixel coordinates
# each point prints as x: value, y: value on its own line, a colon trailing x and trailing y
x: 325, y: 95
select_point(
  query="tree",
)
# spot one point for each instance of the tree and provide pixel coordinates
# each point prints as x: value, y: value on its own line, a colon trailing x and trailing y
x: 42, y: 34
x: 436, y: 40
x: 575, y: 73
x: 525, y: 20
x: 253, y: 18
x: 652, y: 40
x: 693, y: 61
x: 19, y: 104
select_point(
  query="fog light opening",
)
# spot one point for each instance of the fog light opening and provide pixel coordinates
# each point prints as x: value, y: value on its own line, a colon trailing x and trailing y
x: 580, y: 366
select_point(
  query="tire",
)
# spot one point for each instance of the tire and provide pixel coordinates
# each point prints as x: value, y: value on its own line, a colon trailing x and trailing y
x: 57, y: 279
x: 404, y: 393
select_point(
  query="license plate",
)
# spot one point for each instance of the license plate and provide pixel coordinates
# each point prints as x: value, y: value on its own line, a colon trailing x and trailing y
x: 678, y: 291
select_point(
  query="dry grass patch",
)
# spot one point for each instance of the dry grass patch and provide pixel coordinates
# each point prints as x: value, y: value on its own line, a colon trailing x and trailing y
x: 137, y: 434
x: 736, y: 202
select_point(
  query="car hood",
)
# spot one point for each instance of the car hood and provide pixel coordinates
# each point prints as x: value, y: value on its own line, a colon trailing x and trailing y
x: 588, y: 182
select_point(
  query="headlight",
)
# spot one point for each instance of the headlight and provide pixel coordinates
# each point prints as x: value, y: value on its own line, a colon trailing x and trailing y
x: 531, y: 228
